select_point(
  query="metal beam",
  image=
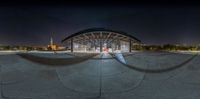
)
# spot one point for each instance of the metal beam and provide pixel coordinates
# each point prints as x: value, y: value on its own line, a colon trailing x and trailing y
x: 108, y: 37
x: 100, y: 34
x: 72, y: 46
x: 113, y: 38
x: 130, y: 45
x: 93, y: 36
x: 101, y: 45
x: 92, y: 42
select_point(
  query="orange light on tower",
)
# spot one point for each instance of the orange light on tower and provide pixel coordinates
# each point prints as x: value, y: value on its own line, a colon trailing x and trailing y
x: 52, y: 46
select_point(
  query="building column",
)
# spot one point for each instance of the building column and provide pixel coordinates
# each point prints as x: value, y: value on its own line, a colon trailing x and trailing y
x: 72, y: 45
x: 130, y: 45
x: 116, y: 45
x: 95, y: 47
x: 112, y: 47
x: 100, y: 45
x: 119, y: 45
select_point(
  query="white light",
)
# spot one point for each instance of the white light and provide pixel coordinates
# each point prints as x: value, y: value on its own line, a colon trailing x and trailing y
x: 76, y: 45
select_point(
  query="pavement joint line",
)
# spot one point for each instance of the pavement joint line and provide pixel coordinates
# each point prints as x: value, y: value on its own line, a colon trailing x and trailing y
x: 100, y: 79
x: 191, y: 58
x: 72, y: 89
x: 158, y: 70
x: 10, y: 83
x: 174, y: 75
x: 131, y: 89
x: 1, y: 87
x: 59, y: 79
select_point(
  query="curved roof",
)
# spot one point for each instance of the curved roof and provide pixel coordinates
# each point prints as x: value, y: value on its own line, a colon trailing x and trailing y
x: 100, y: 30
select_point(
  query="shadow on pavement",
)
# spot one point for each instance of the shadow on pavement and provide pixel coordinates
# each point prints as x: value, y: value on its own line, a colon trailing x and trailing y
x: 158, y: 70
x: 55, y: 61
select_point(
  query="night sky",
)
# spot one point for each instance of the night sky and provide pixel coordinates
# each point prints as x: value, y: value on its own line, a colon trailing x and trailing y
x: 33, y: 25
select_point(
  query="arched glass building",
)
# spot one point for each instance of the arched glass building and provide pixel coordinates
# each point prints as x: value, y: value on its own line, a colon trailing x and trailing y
x: 100, y: 39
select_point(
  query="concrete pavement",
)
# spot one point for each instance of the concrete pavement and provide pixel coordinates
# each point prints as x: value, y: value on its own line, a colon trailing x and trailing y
x: 102, y: 77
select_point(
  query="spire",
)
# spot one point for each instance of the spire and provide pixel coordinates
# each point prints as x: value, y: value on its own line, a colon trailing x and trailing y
x: 51, y: 41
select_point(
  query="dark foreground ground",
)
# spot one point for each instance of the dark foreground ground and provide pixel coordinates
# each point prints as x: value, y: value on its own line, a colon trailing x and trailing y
x: 145, y: 75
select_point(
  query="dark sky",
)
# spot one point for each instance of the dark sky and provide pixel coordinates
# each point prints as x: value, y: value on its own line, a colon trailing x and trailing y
x: 33, y: 25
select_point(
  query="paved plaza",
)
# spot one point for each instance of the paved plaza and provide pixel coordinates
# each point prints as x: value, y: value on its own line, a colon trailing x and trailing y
x: 136, y: 75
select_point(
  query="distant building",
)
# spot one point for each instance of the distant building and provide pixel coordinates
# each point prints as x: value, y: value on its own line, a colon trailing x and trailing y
x: 52, y: 46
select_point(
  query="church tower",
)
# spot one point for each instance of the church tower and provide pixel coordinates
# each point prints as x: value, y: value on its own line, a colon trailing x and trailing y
x: 52, y: 46
x: 51, y: 41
